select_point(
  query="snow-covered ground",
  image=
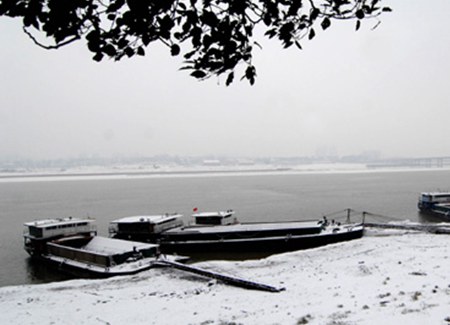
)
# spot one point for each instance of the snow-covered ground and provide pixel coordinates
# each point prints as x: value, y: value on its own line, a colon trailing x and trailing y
x: 387, y: 277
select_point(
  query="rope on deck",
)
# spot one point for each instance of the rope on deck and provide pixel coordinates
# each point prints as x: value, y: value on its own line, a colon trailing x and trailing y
x: 222, y: 277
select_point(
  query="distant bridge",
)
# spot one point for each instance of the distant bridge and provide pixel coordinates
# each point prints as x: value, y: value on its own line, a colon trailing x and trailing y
x: 429, y: 162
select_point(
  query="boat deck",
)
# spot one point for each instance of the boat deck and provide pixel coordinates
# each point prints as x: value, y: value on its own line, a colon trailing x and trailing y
x: 245, y: 227
x: 150, y: 219
x: 109, y: 246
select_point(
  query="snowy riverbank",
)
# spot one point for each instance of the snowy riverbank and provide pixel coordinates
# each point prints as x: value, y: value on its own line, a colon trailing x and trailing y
x: 387, y: 277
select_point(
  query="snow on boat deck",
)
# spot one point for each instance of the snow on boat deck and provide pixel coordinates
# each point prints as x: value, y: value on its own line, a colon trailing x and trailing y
x: 109, y: 246
x: 151, y: 219
x: 246, y: 227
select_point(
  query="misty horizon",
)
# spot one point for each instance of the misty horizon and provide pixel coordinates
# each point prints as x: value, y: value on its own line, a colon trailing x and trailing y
x: 381, y: 90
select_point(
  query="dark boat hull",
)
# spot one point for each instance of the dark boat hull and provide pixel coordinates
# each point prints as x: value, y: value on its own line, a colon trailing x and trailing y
x: 262, y: 245
x: 438, y: 213
x: 85, y: 271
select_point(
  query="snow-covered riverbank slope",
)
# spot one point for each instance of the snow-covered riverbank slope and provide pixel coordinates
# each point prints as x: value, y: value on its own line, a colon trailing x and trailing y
x: 383, y: 278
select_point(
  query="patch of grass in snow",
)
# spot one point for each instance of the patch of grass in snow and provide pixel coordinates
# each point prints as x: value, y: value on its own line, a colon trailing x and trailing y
x: 304, y: 319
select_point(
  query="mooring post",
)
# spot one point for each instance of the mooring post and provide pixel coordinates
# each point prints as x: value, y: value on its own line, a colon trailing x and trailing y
x: 348, y: 215
x: 364, y: 217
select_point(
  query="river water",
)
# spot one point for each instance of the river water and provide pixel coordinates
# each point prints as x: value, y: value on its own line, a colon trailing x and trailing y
x: 260, y: 197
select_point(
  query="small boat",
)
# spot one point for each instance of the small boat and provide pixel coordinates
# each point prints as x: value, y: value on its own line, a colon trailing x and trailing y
x: 436, y: 203
x: 73, y: 246
x: 214, y: 232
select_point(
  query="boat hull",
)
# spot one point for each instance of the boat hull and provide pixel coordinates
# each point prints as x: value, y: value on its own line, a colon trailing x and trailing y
x: 83, y: 270
x: 276, y: 244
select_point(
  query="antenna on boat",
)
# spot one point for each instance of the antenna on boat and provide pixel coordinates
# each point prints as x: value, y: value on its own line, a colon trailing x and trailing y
x: 348, y: 215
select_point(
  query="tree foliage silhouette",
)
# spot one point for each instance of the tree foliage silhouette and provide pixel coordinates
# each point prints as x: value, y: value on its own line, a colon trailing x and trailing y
x: 214, y: 37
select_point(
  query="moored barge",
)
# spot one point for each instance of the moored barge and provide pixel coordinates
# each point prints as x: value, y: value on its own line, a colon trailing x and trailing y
x: 214, y: 232
x: 72, y: 245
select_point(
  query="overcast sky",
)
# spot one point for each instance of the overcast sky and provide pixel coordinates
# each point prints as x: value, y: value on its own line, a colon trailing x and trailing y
x: 385, y: 90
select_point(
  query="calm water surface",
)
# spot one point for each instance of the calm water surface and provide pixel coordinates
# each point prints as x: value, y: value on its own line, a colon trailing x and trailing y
x: 253, y: 197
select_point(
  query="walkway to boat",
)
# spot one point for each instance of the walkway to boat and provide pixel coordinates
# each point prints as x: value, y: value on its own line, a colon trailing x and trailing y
x: 373, y: 220
x: 239, y: 282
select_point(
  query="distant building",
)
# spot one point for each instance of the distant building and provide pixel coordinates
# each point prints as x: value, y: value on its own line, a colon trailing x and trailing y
x: 211, y: 162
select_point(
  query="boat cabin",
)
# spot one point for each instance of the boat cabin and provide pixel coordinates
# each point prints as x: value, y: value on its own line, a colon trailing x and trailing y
x: 61, y: 227
x: 428, y: 199
x: 435, y: 197
x: 215, y: 218
x: 38, y: 233
x: 144, y: 225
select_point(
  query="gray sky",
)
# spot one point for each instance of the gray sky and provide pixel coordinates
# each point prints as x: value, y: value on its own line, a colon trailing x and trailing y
x: 385, y: 90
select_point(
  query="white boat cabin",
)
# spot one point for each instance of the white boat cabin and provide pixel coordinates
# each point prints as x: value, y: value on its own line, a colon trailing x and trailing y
x: 145, y: 224
x: 215, y: 218
x: 60, y: 227
x: 434, y: 197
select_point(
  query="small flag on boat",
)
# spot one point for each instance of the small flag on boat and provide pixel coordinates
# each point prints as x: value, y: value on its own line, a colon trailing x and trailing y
x: 195, y: 209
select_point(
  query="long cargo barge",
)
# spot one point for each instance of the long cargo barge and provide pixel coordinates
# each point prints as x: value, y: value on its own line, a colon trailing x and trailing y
x: 213, y: 232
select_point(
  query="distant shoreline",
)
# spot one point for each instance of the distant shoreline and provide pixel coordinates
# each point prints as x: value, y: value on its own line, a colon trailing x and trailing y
x: 143, y: 173
x: 108, y: 174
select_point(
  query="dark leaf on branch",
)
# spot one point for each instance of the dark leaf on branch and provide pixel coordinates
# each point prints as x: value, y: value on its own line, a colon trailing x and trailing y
x: 140, y: 51
x: 287, y: 44
x: 109, y: 50
x: 358, y: 24
x: 209, y: 18
x: 230, y: 78
x: 250, y: 74
x: 267, y: 19
x: 360, y: 14
x: 294, y: 8
x: 175, y: 50
x: 387, y: 9
x: 123, y: 43
x: 271, y: 33
x: 189, y: 54
x: 199, y: 74
x: 314, y: 14
x: 129, y: 52
x: 311, y: 34
x: 325, y: 23
x: 115, y: 5
x: 98, y: 57
x: 93, y: 45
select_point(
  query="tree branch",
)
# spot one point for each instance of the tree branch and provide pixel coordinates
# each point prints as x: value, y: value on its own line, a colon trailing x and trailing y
x: 50, y: 47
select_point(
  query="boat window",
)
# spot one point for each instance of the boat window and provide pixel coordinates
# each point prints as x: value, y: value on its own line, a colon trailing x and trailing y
x: 208, y: 220
x: 36, y: 232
